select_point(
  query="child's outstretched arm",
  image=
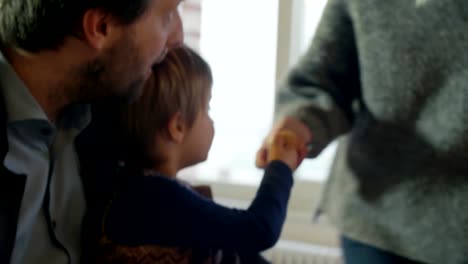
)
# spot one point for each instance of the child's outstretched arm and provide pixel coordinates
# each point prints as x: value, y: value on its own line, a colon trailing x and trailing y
x: 158, y: 210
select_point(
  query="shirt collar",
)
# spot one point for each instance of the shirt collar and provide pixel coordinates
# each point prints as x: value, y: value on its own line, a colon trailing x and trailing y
x: 21, y: 106
x: 19, y: 103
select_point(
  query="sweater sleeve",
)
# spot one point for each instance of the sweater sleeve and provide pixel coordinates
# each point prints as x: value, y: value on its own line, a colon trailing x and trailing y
x: 322, y: 88
x: 161, y: 211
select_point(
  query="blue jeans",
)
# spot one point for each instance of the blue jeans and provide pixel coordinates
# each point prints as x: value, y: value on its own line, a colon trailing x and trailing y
x: 355, y: 252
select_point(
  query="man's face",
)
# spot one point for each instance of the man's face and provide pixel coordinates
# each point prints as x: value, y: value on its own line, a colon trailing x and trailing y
x: 122, y: 69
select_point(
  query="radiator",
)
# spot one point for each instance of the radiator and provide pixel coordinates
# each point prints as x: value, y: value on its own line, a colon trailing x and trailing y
x: 289, y: 252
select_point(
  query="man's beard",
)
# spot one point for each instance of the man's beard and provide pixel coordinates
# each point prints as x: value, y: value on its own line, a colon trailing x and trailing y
x: 117, y: 74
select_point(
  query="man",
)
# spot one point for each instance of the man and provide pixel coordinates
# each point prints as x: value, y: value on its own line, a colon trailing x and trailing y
x: 57, y: 55
x: 392, y: 76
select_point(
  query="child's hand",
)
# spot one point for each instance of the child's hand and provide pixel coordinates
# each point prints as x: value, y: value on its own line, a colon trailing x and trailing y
x: 286, y: 146
x: 298, y: 128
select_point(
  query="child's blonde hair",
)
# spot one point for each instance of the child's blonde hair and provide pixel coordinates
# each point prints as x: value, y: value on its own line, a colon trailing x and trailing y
x: 181, y: 83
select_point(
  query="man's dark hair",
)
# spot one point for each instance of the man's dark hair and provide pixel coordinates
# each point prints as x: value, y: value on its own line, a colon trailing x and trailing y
x: 35, y: 25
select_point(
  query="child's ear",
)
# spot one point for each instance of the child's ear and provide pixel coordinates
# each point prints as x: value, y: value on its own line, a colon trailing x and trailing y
x: 177, y: 128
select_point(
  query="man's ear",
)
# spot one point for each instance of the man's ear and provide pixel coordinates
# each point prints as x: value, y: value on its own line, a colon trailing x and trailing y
x: 177, y: 128
x: 98, y: 28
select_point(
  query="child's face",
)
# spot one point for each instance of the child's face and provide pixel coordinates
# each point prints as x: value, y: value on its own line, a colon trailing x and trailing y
x: 200, y: 136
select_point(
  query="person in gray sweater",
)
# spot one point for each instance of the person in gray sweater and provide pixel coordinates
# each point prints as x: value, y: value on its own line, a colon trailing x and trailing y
x: 390, y: 80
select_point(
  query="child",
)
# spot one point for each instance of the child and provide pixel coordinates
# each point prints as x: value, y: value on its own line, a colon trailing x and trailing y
x: 155, y: 218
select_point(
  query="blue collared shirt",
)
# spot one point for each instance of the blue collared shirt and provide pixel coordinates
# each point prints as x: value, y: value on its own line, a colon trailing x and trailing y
x: 45, y: 153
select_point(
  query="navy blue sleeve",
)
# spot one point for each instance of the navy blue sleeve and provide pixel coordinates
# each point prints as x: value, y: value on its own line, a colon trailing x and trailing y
x: 160, y: 211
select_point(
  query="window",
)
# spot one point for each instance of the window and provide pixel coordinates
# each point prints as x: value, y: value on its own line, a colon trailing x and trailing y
x: 250, y: 45
x: 240, y: 41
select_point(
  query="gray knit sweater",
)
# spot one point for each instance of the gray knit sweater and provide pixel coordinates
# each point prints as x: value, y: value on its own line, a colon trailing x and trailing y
x: 391, y: 76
